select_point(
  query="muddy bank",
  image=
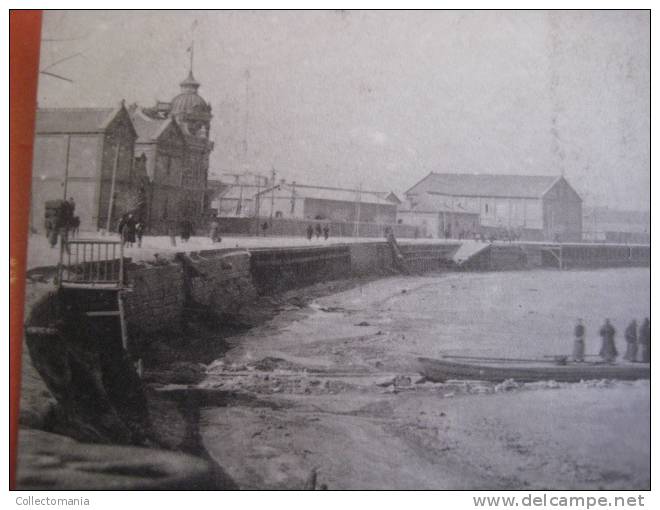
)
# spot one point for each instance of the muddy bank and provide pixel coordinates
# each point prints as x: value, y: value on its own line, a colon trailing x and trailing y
x: 321, y: 384
x: 337, y: 392
x: 68, y: 391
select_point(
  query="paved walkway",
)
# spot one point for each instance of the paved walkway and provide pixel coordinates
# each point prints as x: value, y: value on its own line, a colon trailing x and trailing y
x: 40, y: 253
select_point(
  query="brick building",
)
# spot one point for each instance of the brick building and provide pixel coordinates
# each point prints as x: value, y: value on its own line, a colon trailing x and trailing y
x: 161, y: 146
x: 174, y: 138
x: 87, y: 154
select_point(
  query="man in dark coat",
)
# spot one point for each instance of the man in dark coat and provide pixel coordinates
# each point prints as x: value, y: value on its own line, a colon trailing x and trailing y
x: 185, y: 230
x: 326, y: 232
x: 127, y: 229
x: 215, y: 231
x: 139, y: 232
x: 631, y: 341
x: 608, y: 349
x: 645, y: 341
x: 578, y: 343
x: 310, y: 232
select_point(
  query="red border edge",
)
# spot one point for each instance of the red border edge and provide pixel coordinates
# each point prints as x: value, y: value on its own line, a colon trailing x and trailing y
x: 24, y: 43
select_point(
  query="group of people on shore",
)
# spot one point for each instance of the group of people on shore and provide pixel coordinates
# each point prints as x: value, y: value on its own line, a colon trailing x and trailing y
x: 130, y: 230
x: 638, y: 342
x: 318, y: 230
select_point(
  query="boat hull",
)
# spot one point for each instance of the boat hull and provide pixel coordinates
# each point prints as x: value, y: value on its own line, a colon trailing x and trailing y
x: 442, y: 370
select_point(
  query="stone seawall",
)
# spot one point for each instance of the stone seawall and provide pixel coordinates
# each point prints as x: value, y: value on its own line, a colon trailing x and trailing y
x: 161, y: 291
x: 223, y: 281
x: 156, y: 298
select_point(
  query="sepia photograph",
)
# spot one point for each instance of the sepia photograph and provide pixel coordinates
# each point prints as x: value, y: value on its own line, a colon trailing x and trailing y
x: 339, y: 250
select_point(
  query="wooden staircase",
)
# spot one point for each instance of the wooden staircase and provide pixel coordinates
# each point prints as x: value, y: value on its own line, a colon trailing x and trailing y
x: 90, y: 274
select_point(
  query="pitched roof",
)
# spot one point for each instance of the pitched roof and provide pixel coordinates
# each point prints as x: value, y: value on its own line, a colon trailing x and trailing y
x: 74, y: 120
x: 340, y: 194
x: 486, y: 185
x: 305, y: 191
x: 148, y: 128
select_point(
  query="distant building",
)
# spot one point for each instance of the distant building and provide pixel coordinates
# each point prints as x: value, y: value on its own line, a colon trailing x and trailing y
x: 437, y: 217
x: 534, y: 207
x: 175, y: 140
x: 604, y: 224
x: 298, y: 201
x: 87, y: 154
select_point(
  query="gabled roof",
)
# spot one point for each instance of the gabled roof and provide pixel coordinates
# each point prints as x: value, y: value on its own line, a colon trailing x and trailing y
x: 486, y: 185
x: 75, y: 120
x: 149, y: 129
x: 339, y: 194
x: 389, y: 196
x: 288, y: 190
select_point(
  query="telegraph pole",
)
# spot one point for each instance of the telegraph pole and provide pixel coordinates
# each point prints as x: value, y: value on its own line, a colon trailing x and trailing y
x: 272, y: 194
x: 357, y: 212
x: 111, y: 202
x: 257, y: 204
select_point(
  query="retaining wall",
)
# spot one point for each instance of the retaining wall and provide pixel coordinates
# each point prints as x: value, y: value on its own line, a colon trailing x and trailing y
x: 278, y: 269
x: 156, y: 298
x: 220, y: 282
x: 517, y: 256
x: 217, y: 281
x: 223, y: 281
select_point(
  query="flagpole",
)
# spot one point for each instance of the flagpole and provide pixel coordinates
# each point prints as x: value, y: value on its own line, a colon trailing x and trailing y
x: 192, y: 53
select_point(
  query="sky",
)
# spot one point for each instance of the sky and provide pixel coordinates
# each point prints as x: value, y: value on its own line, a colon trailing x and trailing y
x: 382, y: 98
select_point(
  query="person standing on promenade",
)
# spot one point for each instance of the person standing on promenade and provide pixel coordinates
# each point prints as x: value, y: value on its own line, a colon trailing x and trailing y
x: 631, y: 341
x: 645, y: 341
x: 608, y: 349
x: 578, y: 343
x: 139, y: 232
x: 310, y: 232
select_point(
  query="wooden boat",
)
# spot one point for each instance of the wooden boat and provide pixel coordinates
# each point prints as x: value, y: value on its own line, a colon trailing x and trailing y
x: 560, y: 370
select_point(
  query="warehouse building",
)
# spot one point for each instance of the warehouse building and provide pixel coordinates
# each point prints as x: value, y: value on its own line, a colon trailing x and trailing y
x: 532, y: 207
x: 85, y: 154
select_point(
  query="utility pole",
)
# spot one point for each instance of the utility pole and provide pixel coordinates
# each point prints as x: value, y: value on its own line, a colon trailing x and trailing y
x: 111, y: 202
x: 66, y: 167
x: 272, y: 194
x: 246, y: 123
x: 257, y: 204
x: 357, y: 211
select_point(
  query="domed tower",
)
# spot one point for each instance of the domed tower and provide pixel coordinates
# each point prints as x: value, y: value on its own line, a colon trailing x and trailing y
x: 190, y: 110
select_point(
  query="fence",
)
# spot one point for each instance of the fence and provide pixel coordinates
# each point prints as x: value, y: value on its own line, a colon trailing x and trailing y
x: 91, y: 263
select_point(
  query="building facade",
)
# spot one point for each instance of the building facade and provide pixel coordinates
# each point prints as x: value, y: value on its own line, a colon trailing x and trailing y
x: 532, y: 207
x: 177, y: 148
x: 304, y: 202
x: 161, y: 146
x: 86, y: 154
